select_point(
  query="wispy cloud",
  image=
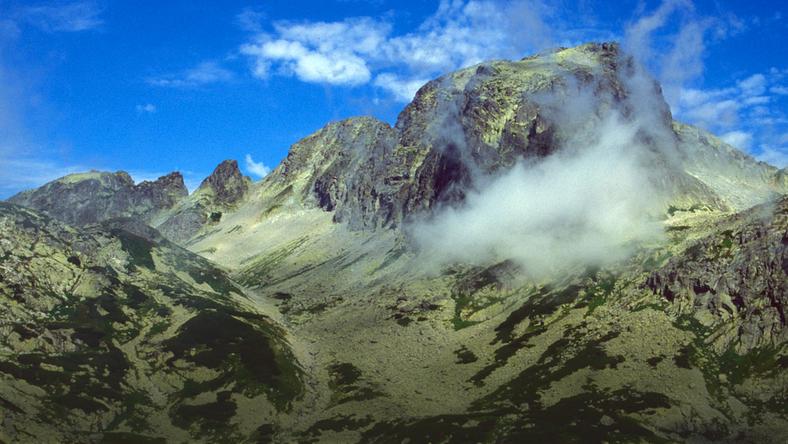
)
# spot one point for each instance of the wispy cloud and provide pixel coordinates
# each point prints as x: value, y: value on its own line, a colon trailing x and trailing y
x: 250, y: 19
x: 748, y: 114
x: 672, y: 40
x: 774, y: 156
x: 147, y: 108
x: 739, y: 139
x: 205, y: 73
x: 365, y: 50
x: 63, y: 16
x: 256, y: 168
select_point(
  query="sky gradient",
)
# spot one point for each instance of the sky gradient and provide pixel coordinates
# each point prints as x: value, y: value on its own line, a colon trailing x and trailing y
x: 151, y: 87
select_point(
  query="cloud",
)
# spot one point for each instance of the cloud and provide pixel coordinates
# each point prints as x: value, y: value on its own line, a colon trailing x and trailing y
x: 250, y: 20
x: 147, y: 108
x: 671, y: 40
x: 739, y: 139
x: 639, y: 34
x: 318, y: 52
x: 256, y: 168
x: 749, y: 115
x: 205, y: 73
x: 590, y: 202
x: 753, y: 86
x: 364, y: 50
x: 402, y: 89
x: 63, y: 17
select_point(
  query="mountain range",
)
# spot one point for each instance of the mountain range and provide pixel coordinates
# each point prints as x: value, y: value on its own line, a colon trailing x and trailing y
x: 535, y: 251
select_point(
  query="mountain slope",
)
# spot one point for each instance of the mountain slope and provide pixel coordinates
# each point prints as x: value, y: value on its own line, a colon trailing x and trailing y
x: 677, y: 336
x: 113, y: 331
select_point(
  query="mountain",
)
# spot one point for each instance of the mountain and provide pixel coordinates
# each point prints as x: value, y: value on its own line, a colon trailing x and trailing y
x: 115, y: 328
x: 218, y: 193
x: 535, y: 251
x: 87, y: 198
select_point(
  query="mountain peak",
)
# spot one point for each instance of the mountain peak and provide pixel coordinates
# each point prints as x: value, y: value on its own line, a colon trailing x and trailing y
x: 95, y: 196
x: 226, y: 182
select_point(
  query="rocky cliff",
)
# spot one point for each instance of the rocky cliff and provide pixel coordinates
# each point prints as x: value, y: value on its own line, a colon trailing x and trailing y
x: 483, y: 119
x: 217, y: 194
x: 88, y: 198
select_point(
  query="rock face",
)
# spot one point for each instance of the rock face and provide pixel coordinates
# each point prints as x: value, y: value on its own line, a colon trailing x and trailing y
x: 483, y: 119
x: 89, y: 198
x: 345, y: 168
x: 218, y: 193
x: 226, y: 183
x: 81, y: 199
x: 737, y: 275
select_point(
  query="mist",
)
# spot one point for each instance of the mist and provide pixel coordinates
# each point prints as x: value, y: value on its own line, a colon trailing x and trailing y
x: 592, y: 201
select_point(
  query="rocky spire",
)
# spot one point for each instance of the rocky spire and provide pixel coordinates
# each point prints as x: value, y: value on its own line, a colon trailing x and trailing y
x: 227, y: 183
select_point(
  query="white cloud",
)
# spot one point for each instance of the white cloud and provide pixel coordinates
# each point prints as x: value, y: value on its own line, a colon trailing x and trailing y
x: 753, y: 86
x: 363, y: 50
x: 748, y: 115
x: 582, y: 205
x: 256, y: 168
x: 203, y: 74
x: 402, y: 90
x: 64, y: 17
x: 781, y: 90
x: 147, y: 108
x: 739, y: 139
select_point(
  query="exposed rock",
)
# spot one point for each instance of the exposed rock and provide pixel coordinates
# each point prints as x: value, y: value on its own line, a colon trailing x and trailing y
x: 485, y: 118
x: 112, y: 333
x: 219, y: 193
x: 738, y: 271
x: 88, y: 198
x: 226, y: 183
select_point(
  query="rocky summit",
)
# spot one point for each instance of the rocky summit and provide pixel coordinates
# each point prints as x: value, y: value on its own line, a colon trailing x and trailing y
x: 482, y: 271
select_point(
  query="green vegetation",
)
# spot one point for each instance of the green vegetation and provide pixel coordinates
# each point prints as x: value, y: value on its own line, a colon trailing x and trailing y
x: 260, y: 268
x: 477, y: 289
x: 138, y: 248
x: 763, y: 362
x: 248, y: 354
x: 212, y: 418
x: 337, y: 424
x: 465, y: 356
x: 346, y: 383
x: 693, y: 208
x: 129, y: 438
x: 343, y: 374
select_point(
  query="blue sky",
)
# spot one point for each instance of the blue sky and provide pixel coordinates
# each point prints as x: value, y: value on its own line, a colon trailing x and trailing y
x: 151, y: 87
